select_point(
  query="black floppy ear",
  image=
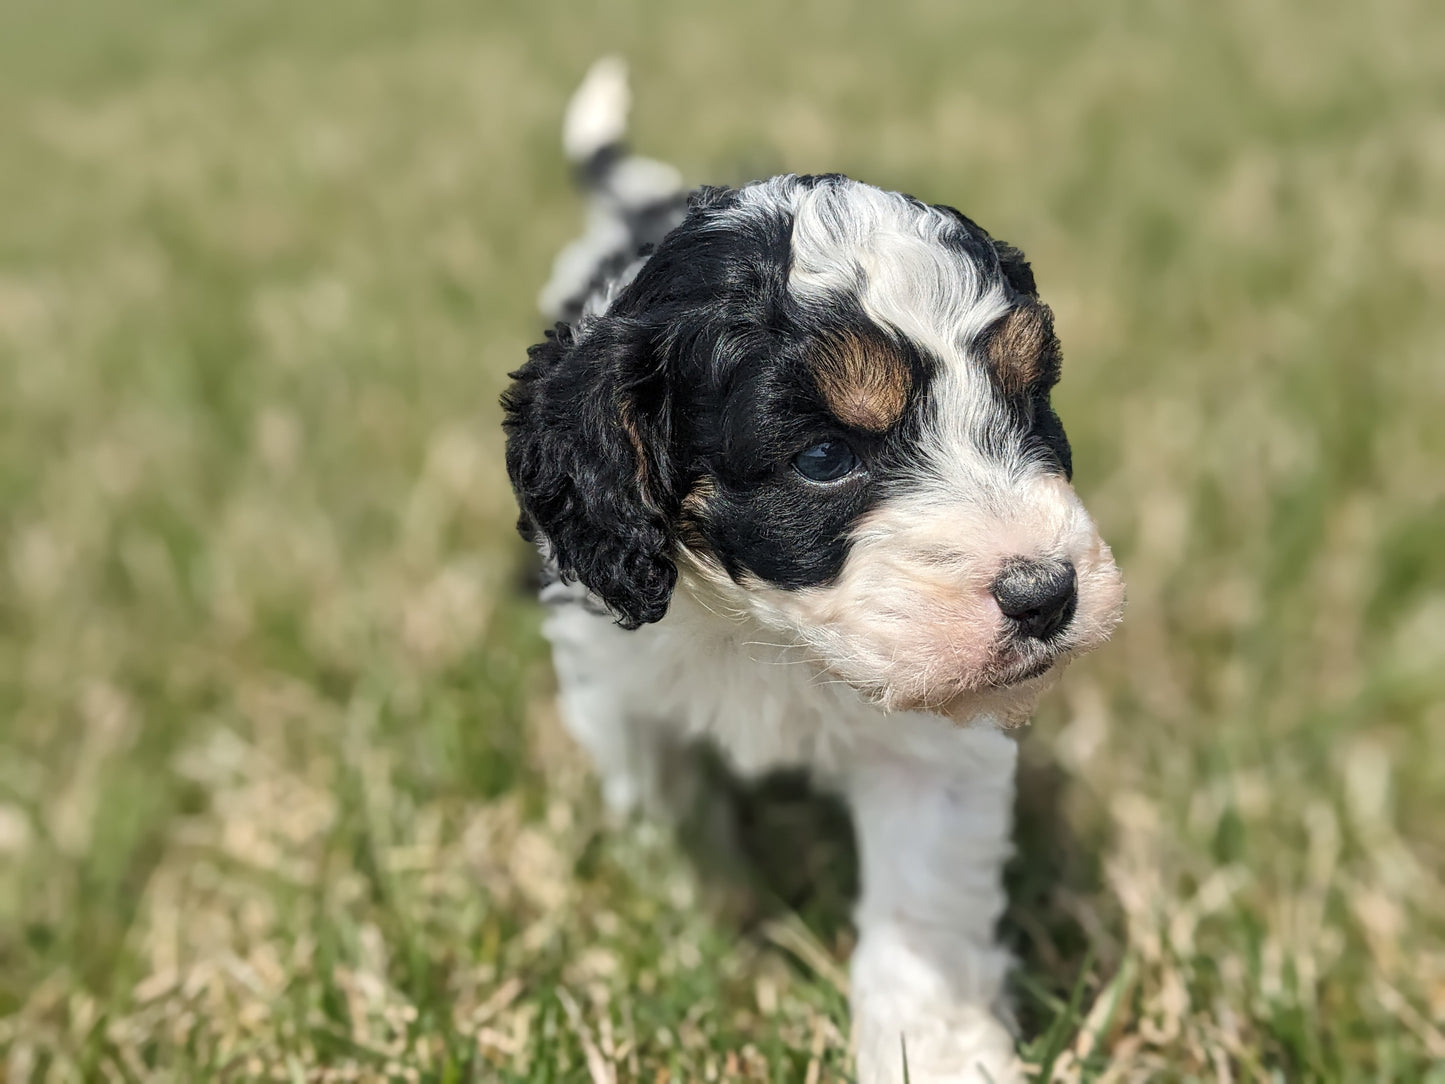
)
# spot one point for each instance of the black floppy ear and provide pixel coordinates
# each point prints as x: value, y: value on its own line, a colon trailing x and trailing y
x: 587, y: 424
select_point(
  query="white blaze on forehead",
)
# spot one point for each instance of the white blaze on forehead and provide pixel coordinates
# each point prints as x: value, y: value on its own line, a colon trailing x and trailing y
x: 899, y: 259
x: 895, y: 256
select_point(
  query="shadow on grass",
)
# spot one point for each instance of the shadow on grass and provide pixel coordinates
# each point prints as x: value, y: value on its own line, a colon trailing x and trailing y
x: 778, y: 845
x: 774, y: 846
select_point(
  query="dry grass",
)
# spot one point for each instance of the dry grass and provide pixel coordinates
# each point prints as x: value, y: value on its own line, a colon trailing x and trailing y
x: 280, y: 791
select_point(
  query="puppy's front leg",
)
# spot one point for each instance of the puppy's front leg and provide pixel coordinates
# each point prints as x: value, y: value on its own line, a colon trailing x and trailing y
x: 933, y: 822
x: 639, y: 758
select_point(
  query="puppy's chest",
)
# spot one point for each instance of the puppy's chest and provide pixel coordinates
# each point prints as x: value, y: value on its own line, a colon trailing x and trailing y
x: 762, y: 705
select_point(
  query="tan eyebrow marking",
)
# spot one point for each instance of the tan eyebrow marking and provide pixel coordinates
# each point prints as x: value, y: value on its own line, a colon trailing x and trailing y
x: 1021, y: 347
x: 864, y: 382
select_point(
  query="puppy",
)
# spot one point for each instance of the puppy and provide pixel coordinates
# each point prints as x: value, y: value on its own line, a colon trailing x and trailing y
x: 790, y: 461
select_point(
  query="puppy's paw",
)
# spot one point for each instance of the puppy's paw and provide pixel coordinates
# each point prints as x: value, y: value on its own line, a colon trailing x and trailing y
x: 932, y: 1009
x: 963, y: 1047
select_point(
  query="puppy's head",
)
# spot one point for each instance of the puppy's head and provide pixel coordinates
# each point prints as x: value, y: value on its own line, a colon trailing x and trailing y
x: 827, y: 407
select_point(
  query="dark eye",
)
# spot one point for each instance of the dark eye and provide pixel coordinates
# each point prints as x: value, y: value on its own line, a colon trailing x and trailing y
x: 826, y: 462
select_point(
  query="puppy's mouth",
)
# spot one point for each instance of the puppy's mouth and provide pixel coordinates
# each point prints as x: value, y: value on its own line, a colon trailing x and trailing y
x: 1017, y: 668
x: 1034, y: 665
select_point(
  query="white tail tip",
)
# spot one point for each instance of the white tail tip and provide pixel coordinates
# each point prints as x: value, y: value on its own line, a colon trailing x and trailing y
x: 597, y: 114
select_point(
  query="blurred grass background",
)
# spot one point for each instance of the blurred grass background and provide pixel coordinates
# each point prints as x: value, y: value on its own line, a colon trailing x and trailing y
x: 281, y: 793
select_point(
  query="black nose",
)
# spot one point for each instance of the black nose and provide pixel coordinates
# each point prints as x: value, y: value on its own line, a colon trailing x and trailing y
x: 1039, y: 596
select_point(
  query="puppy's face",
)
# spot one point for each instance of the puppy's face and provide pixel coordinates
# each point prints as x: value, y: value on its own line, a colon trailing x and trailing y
x: 828, y: 406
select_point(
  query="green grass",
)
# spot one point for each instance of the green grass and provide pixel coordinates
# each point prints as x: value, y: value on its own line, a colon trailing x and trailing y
x: 281, y: 791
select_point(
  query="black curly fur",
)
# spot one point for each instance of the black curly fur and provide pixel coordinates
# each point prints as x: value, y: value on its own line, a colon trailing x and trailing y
x: 602, y: 503
x: 605, y: 500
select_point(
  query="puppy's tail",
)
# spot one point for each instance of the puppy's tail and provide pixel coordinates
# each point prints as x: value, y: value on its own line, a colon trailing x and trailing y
x: 632, y: 201
x: 596, y: 120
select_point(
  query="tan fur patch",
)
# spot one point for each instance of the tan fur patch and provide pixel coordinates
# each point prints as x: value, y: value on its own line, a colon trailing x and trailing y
x: 865, y: 382
x: 639, y: 450
x: 694, y: 511
x: 1021, y: 348
x: 702, y: 491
